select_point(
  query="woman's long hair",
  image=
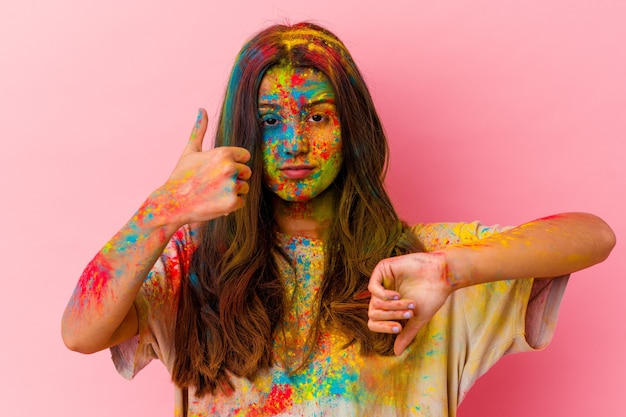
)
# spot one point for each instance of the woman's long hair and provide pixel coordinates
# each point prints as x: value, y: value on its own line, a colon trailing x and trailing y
x: 234, y: 300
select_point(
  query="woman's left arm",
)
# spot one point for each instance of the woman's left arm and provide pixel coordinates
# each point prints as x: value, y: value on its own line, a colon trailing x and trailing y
x: 415, y: 286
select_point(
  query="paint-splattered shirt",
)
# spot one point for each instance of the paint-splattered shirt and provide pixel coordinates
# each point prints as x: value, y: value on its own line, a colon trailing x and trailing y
x: 475, y: 328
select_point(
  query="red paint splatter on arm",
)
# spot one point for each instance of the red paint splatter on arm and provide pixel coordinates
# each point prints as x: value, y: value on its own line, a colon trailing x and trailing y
x: 93, y: 282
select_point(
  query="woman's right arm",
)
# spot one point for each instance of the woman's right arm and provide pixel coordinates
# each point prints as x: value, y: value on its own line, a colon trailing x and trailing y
x: 203, y: 186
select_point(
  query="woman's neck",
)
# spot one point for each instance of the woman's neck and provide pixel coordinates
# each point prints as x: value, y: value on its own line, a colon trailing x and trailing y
x: 310, y: 218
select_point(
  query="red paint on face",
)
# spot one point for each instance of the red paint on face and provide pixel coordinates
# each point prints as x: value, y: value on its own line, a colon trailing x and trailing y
x: 297, y: 80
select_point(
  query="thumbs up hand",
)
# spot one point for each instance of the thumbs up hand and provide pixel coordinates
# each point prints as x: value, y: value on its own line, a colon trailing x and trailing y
x: 205, y: 184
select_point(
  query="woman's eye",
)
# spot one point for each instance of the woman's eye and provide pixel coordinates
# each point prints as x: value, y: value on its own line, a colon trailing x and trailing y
x: 269, y: 121
x: 316, y: 118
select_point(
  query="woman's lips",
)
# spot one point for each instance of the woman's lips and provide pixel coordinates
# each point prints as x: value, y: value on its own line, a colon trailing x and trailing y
x: 297, y: 171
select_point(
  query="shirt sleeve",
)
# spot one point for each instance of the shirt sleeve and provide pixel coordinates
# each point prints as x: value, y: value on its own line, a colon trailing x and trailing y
x: 157, y: 305
x: 500, y: 317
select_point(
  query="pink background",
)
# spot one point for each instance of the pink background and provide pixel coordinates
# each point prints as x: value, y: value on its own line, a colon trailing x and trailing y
x: 497, y: 111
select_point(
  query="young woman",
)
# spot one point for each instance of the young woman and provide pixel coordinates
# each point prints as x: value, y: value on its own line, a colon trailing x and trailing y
x: 272, y: 276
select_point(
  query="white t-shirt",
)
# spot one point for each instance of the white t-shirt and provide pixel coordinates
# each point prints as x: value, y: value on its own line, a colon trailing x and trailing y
x: 476, y: 327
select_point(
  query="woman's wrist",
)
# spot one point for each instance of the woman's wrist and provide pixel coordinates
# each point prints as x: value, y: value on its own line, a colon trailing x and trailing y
x: 161, y: 210
x: 457, y: 270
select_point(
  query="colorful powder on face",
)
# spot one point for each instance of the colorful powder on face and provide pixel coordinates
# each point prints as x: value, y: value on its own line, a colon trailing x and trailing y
x: 301, y: 127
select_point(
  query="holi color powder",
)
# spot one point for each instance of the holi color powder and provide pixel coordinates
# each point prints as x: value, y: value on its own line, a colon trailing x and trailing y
x: 92, y: 284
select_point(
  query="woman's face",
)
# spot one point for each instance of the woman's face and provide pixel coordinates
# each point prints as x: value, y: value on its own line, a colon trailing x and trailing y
x: 301, y: 134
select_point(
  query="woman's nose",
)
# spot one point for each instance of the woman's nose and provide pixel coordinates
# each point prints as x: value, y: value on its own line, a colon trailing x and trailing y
x: 296, y: 140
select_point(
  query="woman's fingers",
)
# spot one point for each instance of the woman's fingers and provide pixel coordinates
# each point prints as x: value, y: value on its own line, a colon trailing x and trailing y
x: 194, y: 144
x: 243, y: 171
x: 377, y: 305
x: 234, y: 153
x: 383, y: 314
x: 381, y: 279
x: 390, y: 327
x: 406, y: 291
x: 241, y: 188
x: 408, y: 333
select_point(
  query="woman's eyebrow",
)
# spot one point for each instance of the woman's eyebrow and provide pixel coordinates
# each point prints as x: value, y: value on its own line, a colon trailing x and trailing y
x: 268, y: 105
x: 327, y: 100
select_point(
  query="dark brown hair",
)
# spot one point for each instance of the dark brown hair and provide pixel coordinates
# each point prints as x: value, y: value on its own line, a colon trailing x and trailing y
x: 234, y: 300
